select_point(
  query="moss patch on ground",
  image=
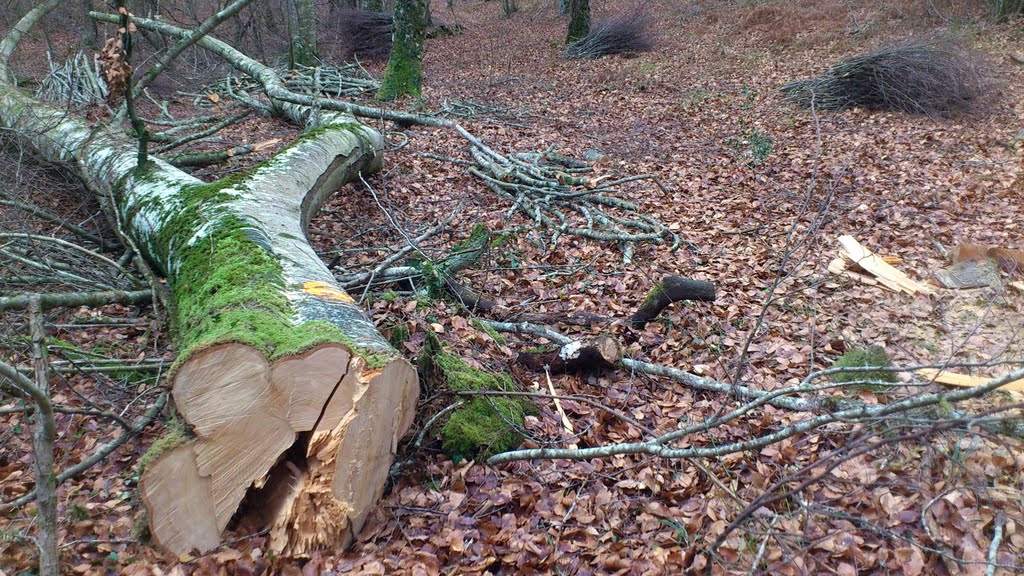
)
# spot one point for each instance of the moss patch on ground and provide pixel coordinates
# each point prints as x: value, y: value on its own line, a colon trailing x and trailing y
x: 483, y: 425
x: 399, y: 335
x: 869, y: 357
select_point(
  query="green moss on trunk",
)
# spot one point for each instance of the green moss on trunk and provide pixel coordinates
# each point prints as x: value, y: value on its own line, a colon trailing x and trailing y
x: 405, y: 73
x: 579, y: 20
x: 226, y: 284
x: 302, y: 22
x: 479, y: 239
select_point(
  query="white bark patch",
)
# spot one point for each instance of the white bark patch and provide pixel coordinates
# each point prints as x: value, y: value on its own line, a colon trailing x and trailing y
x: 570, y: 351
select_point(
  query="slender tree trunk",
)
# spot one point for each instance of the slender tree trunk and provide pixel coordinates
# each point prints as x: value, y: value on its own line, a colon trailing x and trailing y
x: 10, y: 42
x: 91, y: 32
x: 405, y: 72
x: 302, y: 25
x: 579, y: 20
x: 42, y: 449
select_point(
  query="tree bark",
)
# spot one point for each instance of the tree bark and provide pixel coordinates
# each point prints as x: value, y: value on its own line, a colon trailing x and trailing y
x: 42, y: 448
x: 75, y: 299
x: 91, y: 33
x: 302, y: 24
x: 579, y: 20
x: 271, y: 352
x: 405, y: 72
x: 600, y: 353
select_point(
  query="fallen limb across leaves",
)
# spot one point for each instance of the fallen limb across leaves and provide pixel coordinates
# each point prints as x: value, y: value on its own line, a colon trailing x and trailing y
x: 911, y: 418
x: 830, y: 410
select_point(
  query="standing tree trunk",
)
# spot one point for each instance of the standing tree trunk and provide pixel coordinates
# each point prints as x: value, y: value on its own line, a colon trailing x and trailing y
x: 42, y: 448
x: 339, y: 7
x: 579, y: 20
x: 404, y: 72
x: 302, y: 25
x: 91, y: 32
x: 285, y: 382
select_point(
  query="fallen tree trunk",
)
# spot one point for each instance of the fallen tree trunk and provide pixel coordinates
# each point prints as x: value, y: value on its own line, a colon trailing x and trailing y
x: 273, y: 357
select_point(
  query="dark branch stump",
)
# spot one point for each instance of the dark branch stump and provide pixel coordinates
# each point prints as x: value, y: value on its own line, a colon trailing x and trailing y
x: 587, y: 356
x: 671, y: 289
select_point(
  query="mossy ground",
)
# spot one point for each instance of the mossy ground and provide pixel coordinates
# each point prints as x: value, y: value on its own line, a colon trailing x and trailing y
x: 399, y: 335
x: 872, y: 356
x: 483, y: 425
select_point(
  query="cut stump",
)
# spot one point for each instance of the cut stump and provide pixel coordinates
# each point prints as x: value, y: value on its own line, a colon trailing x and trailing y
x: 346, y: 416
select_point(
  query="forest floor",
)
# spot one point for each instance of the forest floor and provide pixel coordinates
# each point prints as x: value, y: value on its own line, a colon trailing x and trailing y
x: 745, y: 177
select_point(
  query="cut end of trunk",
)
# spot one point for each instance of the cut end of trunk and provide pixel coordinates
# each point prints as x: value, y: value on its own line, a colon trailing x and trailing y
x: 346, y: 464
x: 309, y: 438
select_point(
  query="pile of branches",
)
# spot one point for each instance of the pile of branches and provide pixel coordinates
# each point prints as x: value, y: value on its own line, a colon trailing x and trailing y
x: 517, y: 116
x: 924, y: 76
x: 77, y: 81
x: 341, y: 81
x: 1004, y: 9
x: 560, y: 194
x: 366, y: 35
x: 626, y: 34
